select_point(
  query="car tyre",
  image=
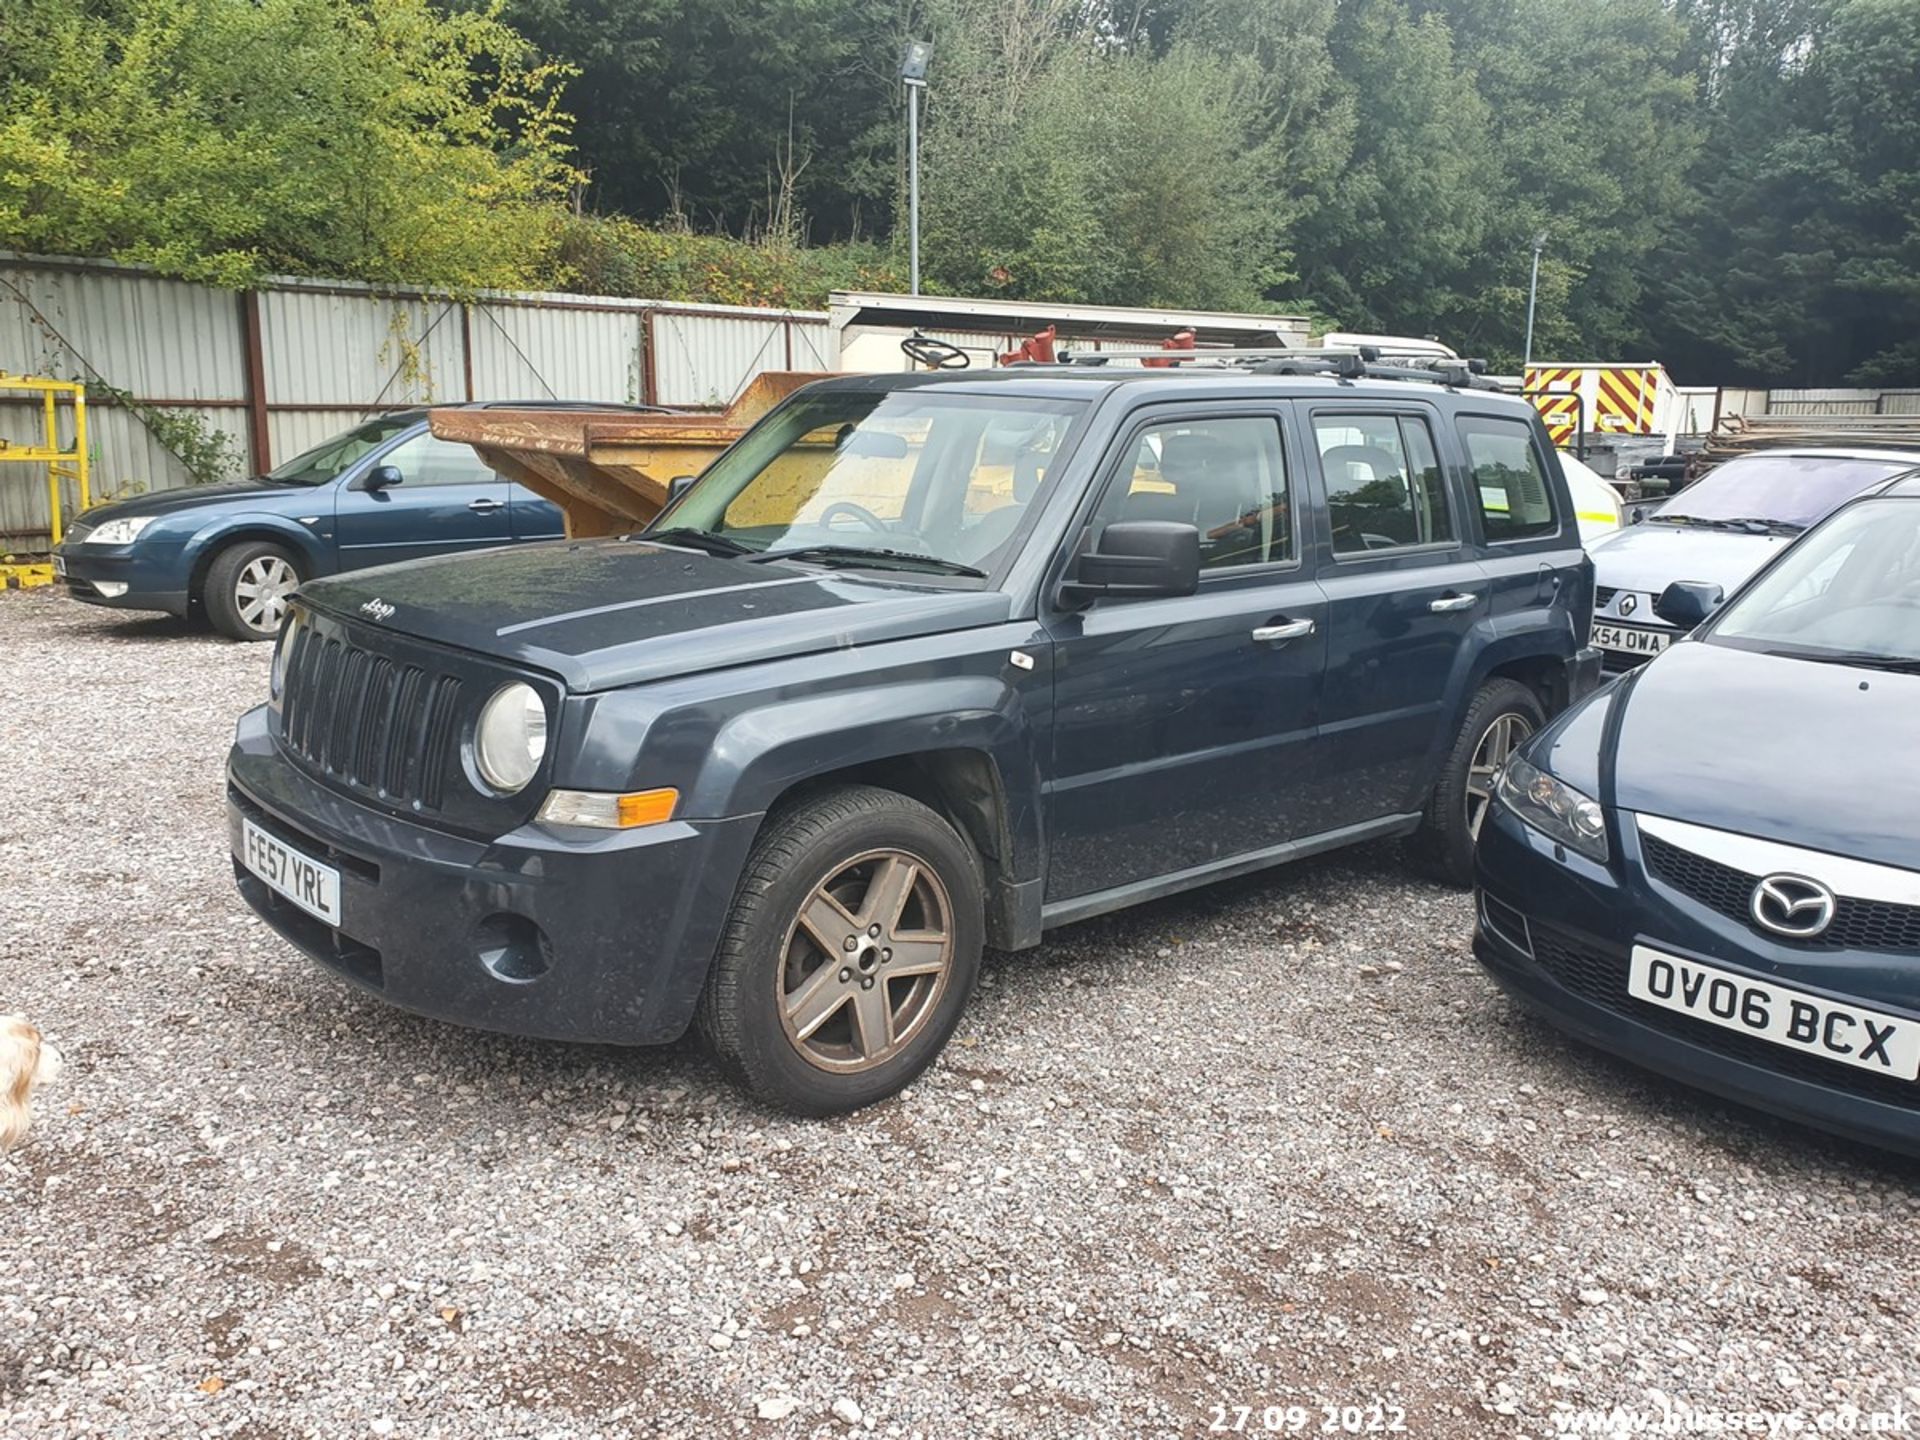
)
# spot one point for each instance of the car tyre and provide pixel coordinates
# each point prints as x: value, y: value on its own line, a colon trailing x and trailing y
x: 247, y: 588
x: 1503, y: 714
x: 849, y: 954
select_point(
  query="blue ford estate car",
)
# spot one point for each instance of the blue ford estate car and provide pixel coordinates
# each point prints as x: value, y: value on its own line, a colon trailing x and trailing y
x: 381, y: 492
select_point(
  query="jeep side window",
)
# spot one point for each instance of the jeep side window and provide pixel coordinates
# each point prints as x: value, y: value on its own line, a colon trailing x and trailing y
x: 1384, y: 484
x: 1516, y: 501
x: 1226, y: 477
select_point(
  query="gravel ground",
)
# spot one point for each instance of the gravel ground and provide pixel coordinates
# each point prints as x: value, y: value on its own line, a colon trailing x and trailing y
x: 1275, y: 1143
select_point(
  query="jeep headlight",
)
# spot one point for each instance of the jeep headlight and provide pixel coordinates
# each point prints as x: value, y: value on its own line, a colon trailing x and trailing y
x: 1554, y: 808
x: 123, y: 531
x: 282, y: 648
x: 511, y: 737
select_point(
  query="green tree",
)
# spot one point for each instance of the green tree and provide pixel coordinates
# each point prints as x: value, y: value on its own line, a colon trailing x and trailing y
x: 1063, y: 161
x: 1802, y: 262
x: 1591, y: 110
x: 1396, y: 237
x: 220, y: 139
x: 689, y: 110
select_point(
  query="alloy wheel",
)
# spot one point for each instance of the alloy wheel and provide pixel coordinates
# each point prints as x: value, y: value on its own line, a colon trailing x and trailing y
x: 866, y: 961
x: 260, y: 594
x: 1505, y: 735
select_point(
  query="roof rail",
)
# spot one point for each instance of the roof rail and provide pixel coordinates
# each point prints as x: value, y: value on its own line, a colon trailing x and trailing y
x: 1347, y: 362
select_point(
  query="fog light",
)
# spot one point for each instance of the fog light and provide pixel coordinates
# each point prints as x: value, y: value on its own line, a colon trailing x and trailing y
x: 604, y: 810
x: 512, y: 948
x: 112, y: 589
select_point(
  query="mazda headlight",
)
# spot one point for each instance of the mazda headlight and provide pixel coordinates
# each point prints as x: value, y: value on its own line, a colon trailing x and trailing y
x: 511, y: 737
x: 1555, y: 809
x: 123, y: 531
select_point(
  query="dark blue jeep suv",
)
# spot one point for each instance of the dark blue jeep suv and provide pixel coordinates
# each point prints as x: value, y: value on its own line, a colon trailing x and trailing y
x: 923, y: 663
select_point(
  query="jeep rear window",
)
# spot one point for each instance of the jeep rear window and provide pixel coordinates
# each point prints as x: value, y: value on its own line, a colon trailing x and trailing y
x: 944, y: 475
x: 1384, y: 486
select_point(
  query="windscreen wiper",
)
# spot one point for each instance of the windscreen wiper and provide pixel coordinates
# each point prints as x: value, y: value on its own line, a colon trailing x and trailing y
x: 1746, y: 525
x: 864, y: 555
x: 710, y: 541
x: 1864, y: 659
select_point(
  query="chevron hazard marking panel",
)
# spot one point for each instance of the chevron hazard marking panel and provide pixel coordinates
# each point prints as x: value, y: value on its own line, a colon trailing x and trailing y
x: 1623, y: 401
x: 1554, y: 391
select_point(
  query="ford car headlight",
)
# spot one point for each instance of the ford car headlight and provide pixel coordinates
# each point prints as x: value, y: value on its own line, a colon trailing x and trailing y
x: 1555, y: 809
x: 511, y: 737
x: 123, y: 531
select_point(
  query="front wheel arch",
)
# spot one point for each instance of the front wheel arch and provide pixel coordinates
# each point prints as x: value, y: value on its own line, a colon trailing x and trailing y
x: 775, y: 962
x: 231, y: 565
x: 206, y: 548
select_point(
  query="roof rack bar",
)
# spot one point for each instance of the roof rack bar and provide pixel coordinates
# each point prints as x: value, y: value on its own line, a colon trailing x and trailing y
x: 1077, y: 356
x: 1346, y: 361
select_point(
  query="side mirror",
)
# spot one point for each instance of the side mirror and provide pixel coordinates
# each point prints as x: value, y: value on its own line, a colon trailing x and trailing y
x: 1686, y: 603
x: 382, y: 477
x: 1139, y: 558
x: 678, y: 486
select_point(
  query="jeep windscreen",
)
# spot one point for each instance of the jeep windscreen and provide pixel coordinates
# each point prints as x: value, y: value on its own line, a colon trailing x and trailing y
x: 1765, y: 494
x: 907, y: 479
x: 1848, y: 594
x: 334, y: 457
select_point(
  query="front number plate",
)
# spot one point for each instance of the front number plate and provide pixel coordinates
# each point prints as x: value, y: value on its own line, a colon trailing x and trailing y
x: 1793, y: 1019
x: 314, y: 887
x: 1630, y: 639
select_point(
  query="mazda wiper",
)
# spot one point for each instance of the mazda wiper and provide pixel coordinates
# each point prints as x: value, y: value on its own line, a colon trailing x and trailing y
x: 711, y: 541
x: 862, y: 555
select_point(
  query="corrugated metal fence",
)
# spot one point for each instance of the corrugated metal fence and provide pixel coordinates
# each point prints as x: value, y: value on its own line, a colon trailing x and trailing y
x: 1819, y: 402
x: 280, y: 369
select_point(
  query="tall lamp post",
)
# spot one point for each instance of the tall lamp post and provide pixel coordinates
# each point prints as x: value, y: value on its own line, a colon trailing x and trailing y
x: 1533, y: 293
x: 913, y: 74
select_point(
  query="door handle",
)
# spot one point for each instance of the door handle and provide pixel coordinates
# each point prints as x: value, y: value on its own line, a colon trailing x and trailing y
x: 1448, y: 603
x: 1288, y: 630
x: 485, y: 506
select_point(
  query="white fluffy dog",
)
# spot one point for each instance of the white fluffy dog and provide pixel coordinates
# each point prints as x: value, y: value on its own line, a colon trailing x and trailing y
x: 26, y: 1063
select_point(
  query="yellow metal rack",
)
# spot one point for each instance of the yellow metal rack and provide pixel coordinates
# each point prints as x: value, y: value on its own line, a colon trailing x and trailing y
x: 62, y: 465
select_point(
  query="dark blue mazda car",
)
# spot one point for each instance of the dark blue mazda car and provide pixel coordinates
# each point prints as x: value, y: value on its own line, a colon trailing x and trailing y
x: 383, y: 491
x: 1712, y: 866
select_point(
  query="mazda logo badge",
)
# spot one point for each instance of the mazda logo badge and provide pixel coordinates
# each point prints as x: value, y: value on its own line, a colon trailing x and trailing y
x: 1792, y: 905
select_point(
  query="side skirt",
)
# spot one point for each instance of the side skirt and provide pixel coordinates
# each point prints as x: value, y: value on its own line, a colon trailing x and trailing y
x: 1101, y: 902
